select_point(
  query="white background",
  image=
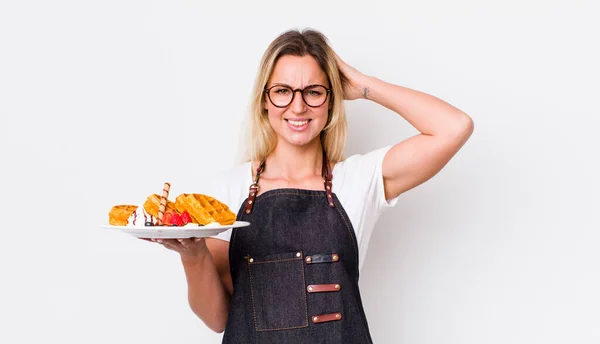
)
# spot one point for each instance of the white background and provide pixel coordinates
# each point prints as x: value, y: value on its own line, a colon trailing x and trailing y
x: 101, y: 102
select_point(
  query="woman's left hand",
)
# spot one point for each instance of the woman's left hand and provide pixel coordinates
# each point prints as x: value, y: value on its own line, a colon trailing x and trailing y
x: 355, y: 83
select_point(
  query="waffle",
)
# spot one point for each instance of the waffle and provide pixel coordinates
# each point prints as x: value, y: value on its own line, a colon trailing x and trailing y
x: 153, y: 203
x: 119, y: 214
x: 204, y: 209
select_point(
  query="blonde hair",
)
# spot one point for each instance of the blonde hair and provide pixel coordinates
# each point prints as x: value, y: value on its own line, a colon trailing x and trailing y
x: 262, y: 138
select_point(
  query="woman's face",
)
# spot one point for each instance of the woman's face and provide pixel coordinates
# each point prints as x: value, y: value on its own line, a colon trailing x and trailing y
x: 297, y: 123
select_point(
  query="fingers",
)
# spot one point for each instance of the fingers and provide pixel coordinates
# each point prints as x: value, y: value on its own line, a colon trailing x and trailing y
x: 171, y: 244
x: 341, y: 64
x: 178, y: 245
x: 185, y: 243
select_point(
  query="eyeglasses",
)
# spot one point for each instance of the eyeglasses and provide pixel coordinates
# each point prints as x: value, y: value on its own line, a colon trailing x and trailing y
x: 282, y: 96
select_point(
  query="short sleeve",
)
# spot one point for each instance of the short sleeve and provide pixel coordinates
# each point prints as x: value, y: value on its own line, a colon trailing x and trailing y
x: 364, y: 174
x: 376, y: 159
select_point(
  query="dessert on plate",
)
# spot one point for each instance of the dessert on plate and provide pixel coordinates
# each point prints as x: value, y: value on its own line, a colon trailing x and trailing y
x: 187, y: 210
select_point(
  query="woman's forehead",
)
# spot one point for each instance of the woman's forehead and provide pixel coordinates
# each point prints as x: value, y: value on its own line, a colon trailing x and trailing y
x: 297, y: 71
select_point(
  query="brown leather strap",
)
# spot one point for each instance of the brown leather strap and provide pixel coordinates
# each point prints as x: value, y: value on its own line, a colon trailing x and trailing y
x: 316, y: 319
x: 326, y: 170
x: 321, y: 288
x: 322, y: 258
x: 254, y: 188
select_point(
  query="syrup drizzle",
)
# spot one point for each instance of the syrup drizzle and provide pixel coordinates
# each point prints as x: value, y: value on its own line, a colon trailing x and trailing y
x: 146, y: 218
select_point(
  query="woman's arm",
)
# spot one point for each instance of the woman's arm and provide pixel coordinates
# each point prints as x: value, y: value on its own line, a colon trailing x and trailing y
x: 444, y: 130
x: 206, y: 265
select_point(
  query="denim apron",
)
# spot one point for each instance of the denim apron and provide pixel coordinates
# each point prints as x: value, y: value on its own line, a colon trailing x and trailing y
x: 295, y: 270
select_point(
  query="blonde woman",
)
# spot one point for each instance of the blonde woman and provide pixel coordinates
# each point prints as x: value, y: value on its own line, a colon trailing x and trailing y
x: 292, y: 275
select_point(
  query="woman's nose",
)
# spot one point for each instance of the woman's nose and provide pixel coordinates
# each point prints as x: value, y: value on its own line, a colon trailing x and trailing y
x: 298, y: 105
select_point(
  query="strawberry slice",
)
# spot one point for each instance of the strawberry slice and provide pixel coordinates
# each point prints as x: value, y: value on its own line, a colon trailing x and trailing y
x: 168, y: 217
x: 186, y: 218
x: 177, y: 220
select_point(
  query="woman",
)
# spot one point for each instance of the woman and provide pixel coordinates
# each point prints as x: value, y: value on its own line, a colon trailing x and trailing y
x: 292, y: 275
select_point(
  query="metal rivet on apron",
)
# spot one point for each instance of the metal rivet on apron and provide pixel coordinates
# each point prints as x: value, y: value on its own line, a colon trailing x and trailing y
x: 330, y: 203
x: 338, y: 316
x: 252, y: 194
x: 247, y: 211
x: 328, y: 187
x: 250, y: 202
x: 329, y: 195
x: 251, y: 260
x: 337, y: 286
x: 315, y: 319
x: 310, y: 288
x: 308, y: 259
x: 298, y: 254
x: 335, y: 258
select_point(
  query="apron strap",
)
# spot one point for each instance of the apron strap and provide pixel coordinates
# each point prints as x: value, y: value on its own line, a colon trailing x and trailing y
x: 254, y: 188
x: 325, y: 171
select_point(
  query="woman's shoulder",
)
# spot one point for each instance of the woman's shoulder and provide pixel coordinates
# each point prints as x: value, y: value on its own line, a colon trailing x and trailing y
x: 231, y: 185
x: 358, y: 183
x: 238, y: 174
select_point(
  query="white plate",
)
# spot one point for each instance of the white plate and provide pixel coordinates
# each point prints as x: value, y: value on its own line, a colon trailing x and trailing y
x: 175, y: 232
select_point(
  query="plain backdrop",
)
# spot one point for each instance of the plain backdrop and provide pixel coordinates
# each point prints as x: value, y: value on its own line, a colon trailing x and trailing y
x: 101, y: 102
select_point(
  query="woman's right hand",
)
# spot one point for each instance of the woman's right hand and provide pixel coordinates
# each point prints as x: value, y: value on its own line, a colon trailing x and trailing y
x: 188, y: 248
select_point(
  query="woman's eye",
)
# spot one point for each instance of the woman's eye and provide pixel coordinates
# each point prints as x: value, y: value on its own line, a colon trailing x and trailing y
x: 282, y: 91
x: 313, y: 93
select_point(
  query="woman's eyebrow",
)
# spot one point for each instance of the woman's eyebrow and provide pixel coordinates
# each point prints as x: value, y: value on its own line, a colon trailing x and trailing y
x: 281, y: 84
x: 290, y: 86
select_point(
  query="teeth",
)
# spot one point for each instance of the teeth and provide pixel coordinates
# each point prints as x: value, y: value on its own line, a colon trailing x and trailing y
x: 298, y: 123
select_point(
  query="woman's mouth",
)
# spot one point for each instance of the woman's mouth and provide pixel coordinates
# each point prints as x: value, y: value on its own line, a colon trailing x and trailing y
x: 297, y: 125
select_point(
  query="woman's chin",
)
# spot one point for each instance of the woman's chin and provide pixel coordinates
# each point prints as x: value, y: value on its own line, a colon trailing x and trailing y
x: 300, y: 141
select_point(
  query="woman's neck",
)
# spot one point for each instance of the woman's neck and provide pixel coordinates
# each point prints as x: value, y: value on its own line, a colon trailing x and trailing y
x: 292, y: 162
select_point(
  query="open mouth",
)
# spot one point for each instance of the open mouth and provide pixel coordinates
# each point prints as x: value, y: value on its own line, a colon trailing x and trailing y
x: 297, y: 123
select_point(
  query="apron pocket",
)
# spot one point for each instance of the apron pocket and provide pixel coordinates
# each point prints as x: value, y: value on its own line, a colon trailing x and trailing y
x: 278, y: 291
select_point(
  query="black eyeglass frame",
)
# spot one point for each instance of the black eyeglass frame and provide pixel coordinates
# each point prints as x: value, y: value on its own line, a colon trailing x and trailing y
x: 301, y: 90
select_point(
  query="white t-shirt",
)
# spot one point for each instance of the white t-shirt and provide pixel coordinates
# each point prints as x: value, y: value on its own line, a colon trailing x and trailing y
x: 357, y: 182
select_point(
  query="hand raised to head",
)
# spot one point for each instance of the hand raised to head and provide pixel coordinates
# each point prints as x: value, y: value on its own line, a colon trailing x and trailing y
x: 354, y: 82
